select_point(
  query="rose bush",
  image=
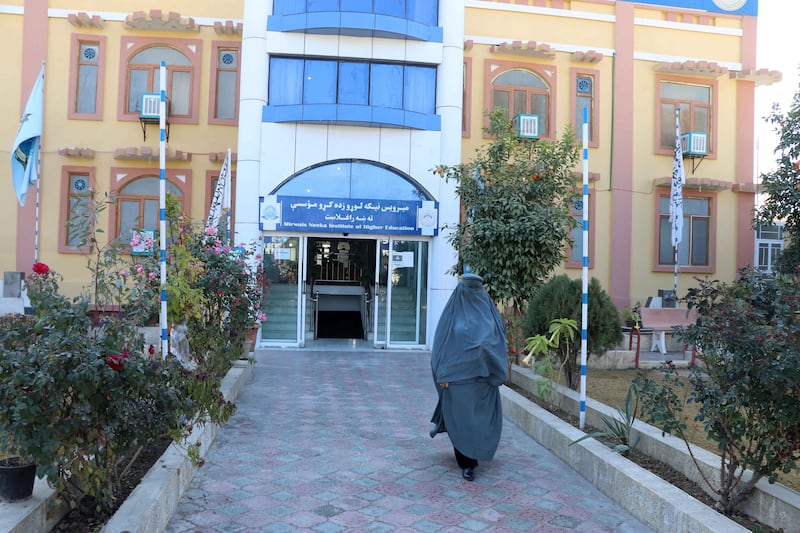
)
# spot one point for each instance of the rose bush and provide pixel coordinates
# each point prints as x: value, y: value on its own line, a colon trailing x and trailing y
x: 79, y: 391
x: 78, y: 412
x: 227, y: 285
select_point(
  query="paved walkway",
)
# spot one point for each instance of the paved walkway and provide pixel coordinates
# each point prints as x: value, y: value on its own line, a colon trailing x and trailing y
x: 338, y: 441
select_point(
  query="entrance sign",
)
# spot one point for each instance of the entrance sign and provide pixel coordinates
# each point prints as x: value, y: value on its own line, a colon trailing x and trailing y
x: 344, y: 215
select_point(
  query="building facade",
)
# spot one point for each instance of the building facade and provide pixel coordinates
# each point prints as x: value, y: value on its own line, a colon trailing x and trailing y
x: 98, y: 63
x: 346, y: 109
x: 335, y: 116
x: 338, y: 111
x: 631, y: 65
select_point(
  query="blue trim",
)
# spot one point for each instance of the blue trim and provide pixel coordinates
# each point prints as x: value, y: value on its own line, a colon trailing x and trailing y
x: 351, y: 114
x: 318, y: 112
x: 354, y: 113
x: 355, y: 23
x: 749, y: 8
x: 323, y: 21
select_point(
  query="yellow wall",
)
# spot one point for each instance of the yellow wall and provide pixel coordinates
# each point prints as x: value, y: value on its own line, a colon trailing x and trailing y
x: 104, y: 137
x: 11, y: 34
x: 659, y: 41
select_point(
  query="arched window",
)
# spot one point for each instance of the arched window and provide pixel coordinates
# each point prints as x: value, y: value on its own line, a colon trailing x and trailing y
x: 353, y: 178
x: 143, y: 78
x: 140, y: 64
x: 138, y: 205
x: 523, y: 92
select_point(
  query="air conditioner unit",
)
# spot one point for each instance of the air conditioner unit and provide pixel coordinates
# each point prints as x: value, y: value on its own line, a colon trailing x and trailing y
x: 694, y: 143
x: 149, y: 106
x: 527, y: 126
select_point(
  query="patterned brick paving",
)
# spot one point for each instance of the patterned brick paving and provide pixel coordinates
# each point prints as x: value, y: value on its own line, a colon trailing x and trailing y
x: 338, y: 441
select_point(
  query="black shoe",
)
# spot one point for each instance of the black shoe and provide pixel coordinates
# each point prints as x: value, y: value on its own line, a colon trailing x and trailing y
x: 468, y: 474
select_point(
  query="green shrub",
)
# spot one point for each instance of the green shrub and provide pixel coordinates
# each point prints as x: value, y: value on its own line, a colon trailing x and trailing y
x: 561, y: 298
x: 746, y: 385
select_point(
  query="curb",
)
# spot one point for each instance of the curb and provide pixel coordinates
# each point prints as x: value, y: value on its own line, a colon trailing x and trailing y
x: 646, y: 496
x: 151, y: 504
x: 774, y: 505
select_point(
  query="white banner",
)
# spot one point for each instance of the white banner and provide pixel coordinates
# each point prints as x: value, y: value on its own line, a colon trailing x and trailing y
x: 221, y: 200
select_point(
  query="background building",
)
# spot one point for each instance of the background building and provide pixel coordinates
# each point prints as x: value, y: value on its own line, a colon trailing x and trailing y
x: 345, y: 107
x: 632, y: 64
x: 97, y: 65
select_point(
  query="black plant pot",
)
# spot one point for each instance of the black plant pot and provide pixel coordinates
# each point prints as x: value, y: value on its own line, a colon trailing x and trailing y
x: 16, y: 480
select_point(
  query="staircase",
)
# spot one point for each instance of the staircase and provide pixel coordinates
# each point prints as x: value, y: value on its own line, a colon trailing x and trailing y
x: 281, y: 310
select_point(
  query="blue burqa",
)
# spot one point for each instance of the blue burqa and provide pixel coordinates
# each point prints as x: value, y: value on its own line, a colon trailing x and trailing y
x: 470, y: 355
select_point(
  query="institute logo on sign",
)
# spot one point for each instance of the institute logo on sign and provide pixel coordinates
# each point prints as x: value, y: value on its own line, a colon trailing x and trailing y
x: 730, y: 5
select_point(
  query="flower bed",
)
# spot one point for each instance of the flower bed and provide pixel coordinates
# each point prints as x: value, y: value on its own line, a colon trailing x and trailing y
x: 773, y: 505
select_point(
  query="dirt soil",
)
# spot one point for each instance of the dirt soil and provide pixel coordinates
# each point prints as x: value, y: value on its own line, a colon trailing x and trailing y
x: 75, y: 522
x: 662, y: 470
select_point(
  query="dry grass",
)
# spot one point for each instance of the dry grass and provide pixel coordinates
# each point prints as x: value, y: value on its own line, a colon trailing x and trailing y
x: 611, y: 388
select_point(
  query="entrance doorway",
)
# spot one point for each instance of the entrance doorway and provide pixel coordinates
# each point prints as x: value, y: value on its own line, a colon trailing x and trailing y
x: 342, y: 287
x: 341, y: 274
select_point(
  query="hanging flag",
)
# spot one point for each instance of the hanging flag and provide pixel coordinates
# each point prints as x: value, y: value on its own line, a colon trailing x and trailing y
x: 25, y: 154
x: 219, y: 200
x: 678, y: 180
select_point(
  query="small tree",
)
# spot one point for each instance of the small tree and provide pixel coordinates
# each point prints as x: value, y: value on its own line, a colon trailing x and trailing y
x: 782, y: 186
x: 560, y: 298
x: 747, y: 384
x: 516, y: 194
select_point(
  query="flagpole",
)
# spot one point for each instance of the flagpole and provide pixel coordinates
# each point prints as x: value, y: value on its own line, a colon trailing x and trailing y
x: 162, y: 200
x: 227, y: 202
x: 676, y: 201
x: 36, y: 223
x: 585, y: 269
x: 38, y: 170
x: 675, y: 273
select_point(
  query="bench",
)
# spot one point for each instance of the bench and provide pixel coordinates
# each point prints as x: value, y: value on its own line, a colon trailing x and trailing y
x: 661, y: 320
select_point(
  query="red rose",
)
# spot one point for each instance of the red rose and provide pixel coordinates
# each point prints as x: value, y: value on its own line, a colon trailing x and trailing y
x: 41, y: 268
x: 114, y: 361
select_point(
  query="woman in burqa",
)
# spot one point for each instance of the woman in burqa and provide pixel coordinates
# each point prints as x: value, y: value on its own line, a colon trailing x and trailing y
x: 469, y: 363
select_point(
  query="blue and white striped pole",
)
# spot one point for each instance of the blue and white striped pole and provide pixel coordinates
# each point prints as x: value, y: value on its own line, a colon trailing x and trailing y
x: 585, y: 269
x: 162, y: 202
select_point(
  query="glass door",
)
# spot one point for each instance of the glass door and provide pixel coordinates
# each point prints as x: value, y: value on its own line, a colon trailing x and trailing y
x: 282, y: 299
x: 380, y: 293
x: 401, y: 300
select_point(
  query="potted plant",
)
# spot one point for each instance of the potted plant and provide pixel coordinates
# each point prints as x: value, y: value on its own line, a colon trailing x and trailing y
x: 17, y: 469
x: 632, y: 316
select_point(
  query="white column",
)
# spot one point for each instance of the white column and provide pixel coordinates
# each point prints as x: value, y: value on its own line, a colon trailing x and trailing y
x: 449, y: 93
x: 253, y: 92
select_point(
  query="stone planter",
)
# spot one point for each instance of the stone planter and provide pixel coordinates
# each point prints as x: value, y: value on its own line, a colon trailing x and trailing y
x: 774, y: 505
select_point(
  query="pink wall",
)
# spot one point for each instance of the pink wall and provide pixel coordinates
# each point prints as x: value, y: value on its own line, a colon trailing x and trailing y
x: 34, y: 51
x: 622, y: 158
x: 745, y: 140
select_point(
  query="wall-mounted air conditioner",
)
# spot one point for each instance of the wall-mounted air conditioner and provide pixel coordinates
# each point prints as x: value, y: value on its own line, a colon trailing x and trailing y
x: 527, y: 126
x: 149, y: 106
x: 694, y: 143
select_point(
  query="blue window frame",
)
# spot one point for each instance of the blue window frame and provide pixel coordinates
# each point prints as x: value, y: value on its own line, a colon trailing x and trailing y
x: 322, y: 5
x: 359, y: 6
x: 386, y: 79
x: 353, y: 92
x: 417, y: 95
x: 319, y: 82
x: 424, y: 13
x: 395, y: 8
x: 353, y: 83
x: 290, y: 72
